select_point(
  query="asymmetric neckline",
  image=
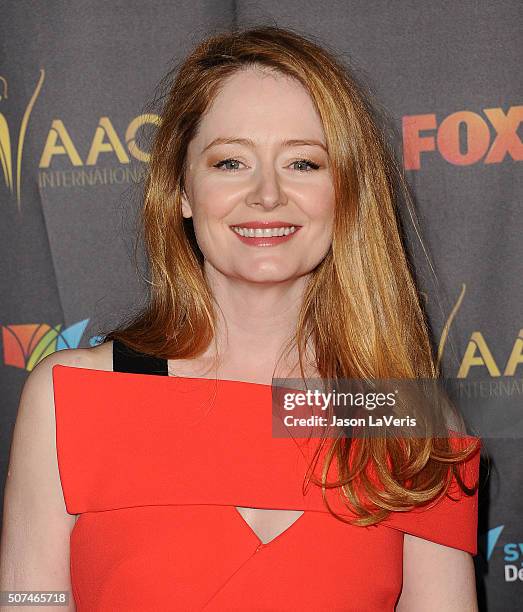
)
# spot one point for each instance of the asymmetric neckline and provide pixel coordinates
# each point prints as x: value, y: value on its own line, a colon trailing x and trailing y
x: 167, y: 376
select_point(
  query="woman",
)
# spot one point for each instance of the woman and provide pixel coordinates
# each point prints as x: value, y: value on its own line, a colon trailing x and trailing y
x: 201, y: 508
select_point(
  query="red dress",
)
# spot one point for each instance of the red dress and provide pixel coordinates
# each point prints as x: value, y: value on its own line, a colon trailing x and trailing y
x: 155, y: 465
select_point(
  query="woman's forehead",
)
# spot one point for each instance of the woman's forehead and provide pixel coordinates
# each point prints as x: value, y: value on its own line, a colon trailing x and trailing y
x: 261, y: 108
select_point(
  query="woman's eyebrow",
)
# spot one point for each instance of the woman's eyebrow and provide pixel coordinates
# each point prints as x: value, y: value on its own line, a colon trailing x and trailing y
x: 250, y: 143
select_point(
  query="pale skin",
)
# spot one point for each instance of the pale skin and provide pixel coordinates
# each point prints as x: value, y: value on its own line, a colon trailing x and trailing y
x: 258, y: 290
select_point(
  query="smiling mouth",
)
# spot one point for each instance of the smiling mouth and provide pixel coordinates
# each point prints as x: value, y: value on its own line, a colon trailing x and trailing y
x: 259, y: 232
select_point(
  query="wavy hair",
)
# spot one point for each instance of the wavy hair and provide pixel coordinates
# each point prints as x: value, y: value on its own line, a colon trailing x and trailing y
x: 361, y: 309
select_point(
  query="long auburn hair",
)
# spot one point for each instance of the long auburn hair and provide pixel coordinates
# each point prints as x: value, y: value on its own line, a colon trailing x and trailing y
x: 361, y: 308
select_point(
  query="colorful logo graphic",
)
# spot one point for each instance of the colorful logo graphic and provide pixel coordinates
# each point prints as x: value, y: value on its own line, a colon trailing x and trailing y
x: 13, y: 180
x: 26, y: 345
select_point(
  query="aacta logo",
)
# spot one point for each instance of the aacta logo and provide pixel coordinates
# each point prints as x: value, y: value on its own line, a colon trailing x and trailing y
x: 61, y: 144
x: 463, y: 138
x: 12, y: 169
x: 26, y: 345
x: 478, y: 354
x: 105, y: 139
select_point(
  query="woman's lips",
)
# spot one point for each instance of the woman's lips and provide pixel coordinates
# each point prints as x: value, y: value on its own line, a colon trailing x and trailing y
x: 266, y: 241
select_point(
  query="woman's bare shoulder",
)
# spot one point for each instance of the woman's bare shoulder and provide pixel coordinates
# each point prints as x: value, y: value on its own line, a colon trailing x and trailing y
x: 37, y: 397
x: 99, y: 357
x: 36, y: 406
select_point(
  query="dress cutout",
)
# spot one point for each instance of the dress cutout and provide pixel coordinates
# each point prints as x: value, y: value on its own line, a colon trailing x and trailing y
x: 156, y: 466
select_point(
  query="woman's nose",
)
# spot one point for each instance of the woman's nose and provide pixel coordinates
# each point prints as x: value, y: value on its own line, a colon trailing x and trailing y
x: 267, y: 190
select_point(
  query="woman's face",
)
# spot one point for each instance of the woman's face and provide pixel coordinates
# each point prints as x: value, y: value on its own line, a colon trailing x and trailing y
x: 266, y: 174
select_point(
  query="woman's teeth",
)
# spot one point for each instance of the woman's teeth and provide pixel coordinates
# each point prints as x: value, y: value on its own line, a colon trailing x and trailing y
x: 264, y: 233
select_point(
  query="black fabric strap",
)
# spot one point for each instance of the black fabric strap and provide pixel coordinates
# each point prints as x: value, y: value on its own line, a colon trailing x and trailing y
x: 126, y: 359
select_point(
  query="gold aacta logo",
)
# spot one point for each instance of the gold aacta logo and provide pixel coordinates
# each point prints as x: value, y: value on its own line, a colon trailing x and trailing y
x: 5, y: 139
x: 478, y: 353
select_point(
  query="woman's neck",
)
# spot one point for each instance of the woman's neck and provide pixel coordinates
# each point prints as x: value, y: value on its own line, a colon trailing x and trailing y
x: 254, y: 325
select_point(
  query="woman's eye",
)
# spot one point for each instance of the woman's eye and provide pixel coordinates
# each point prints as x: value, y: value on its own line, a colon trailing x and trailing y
x: 227, y: 161
x: 308, y: 162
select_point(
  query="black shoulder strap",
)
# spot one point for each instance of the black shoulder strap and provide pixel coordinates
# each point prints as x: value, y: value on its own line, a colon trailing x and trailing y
x: 126, y: 359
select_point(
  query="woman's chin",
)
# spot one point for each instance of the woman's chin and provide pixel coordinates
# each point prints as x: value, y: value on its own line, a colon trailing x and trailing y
x: 268, y: 277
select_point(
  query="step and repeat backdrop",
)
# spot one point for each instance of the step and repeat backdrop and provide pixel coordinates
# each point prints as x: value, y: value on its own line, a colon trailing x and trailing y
x: 77, y: 83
